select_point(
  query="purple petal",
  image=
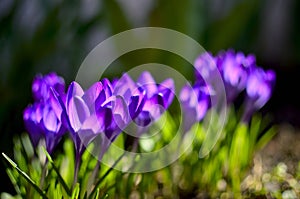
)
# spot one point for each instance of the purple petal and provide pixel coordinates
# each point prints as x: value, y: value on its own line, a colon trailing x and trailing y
x: 51, y: 141
x: 155, y: 106
x: 92, y: 123
x: 167, y: 88
x: 74, y: 90
x: 90, y: 96
x: 195, y: 103
x: 55, y: 104
x: 125, y: 87
x: 120, y: 112
x: 105, y: 118
x: 204, y: 64
x: 136, y: 105
x: 147, y: 82
x: 50, y: 120
x: 271, y: 76
x: 185, y: 93
x: 32, y: 125
x: 38, y: 112
x: 55, y: 81
x: 143, y: 119
x: 78, y: 111
x: 42, y: 84
x: 84, y: 137
x: 201, y: 109
x: 107, y: 87
x: 252, y: 85
x: 259, y: 86
x: 37, y: 89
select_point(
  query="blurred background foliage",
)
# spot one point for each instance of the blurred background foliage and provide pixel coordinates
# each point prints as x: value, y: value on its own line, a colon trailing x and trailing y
x: 39, y: 36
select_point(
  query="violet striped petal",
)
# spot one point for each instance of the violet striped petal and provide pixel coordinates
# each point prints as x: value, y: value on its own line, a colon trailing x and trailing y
x: 78, y: 111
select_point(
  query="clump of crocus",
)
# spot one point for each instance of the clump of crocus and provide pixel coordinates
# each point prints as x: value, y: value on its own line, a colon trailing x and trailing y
x: 42, y: 85
x: 239, y: 72
x: 43, y: 119
x: 159, y: 96
x: 234, y: 69
x: 146, y: 99
x: 92, y: 112
x: 259, y: 90
x: 102, y: 111
x: 195, y: 102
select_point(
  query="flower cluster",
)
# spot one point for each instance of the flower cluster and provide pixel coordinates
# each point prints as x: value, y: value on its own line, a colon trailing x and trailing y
x: 239, y: 72
x: 106, y: 108
x: 97, y: 115
x: 103, y: 109
x: 43, y: 119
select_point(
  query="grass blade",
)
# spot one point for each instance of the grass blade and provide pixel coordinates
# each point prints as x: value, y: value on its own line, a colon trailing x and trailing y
x: 22, y: 173
x: 104, y: 176
x: 60, y: 178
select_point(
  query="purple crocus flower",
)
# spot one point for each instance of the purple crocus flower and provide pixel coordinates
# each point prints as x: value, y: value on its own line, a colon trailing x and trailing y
x: 205, y: 65
x: 234, y: 68
x: 32, y: 117
x: 41, y: 86
x: 259, y: 90
x: 43, y: 120
x: 133, y: 95
x: 195, y: 103
x: 157, y: 99
x: 81, y: 116
x: 93, y: 112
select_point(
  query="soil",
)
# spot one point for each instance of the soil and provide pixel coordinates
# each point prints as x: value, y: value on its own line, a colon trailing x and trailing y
x: 284, y: 147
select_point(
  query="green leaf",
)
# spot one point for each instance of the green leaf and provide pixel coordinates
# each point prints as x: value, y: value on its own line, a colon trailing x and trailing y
x: 68, y: 162
x: 27, y: 178
x: 97, y: 184
x: 266, y: 138
x: 13, y: 180
x: 97, y: 194
x: 13, y: 164
x: 60, y: 178
x: 254, y: 131
x: 76, y: 191
x: 168, y: 127
x: 27, y: 145
x: 238, y: 156
x: 8, y: 196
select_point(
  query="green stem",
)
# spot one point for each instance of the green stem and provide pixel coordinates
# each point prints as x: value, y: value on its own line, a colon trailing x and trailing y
x: 104, y: 176
x: 60, y: 178
x: 44, y: 171
x: 22, y: 173
x: 93, y: 176
x: 62, y: 181
x: 77, y: 164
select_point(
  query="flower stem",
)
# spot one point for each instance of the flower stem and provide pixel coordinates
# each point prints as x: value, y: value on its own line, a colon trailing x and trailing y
x: 104, y: 176
x: 44, y: 171
x: 93, y: 177
x: 77, y: 164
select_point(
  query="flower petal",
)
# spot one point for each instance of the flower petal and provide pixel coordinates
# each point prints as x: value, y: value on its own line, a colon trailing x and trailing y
x: 147, y: 82
x: 120, y: 112
x: 125, y: 87
x: 78, y: 111
x: 74, y: 90
x: 90, y: 96
x: 50, y: 120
